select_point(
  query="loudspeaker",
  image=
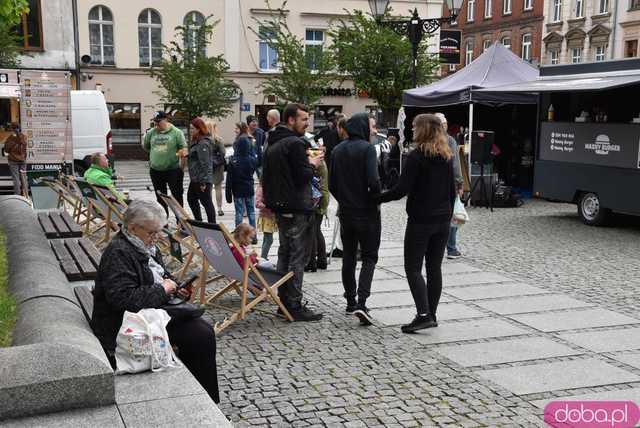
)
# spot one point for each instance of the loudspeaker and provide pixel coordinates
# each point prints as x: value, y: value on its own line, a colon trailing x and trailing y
x: 481, y: 142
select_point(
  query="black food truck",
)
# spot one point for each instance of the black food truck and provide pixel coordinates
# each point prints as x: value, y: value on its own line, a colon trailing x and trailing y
x: 588, y: 150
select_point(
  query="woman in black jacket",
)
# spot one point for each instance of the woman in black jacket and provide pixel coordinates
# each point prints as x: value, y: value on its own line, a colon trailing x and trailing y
x: 201, y: 171
x: 239, y: 184
x: 428, y: 180
x: 131, y: 277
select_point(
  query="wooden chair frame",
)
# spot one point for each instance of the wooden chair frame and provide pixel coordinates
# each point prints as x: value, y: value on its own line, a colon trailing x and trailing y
x: 104, y: 206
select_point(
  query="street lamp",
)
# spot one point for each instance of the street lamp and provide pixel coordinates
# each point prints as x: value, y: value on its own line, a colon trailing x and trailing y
x: 416, y: 27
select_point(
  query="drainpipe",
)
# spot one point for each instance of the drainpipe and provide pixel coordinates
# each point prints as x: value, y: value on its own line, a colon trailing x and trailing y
x: 76, y: 40
x: 613, y: 31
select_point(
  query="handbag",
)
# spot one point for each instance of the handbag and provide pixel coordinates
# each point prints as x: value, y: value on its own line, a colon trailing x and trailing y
x: 180, y: 310
x: 460, y: 215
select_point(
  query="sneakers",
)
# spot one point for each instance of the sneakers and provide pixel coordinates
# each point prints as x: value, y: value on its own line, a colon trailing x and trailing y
x: 305, y: 314
x: 351, y: 308
x: 337, y: 253
x: 220, y: 213
x: 420, y: 322
x: 455, y: 254
x: 363, y: 315
x: 322, y: 266
x: 311, y: 267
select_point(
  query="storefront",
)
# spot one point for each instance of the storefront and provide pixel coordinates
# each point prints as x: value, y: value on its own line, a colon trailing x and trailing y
x: 9, y: 110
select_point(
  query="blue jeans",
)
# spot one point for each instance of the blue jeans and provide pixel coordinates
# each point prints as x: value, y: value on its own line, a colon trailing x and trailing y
x: 451, y: 243
x: 240, y: 205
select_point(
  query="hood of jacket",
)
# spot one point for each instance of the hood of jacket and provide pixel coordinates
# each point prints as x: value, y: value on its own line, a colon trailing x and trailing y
x: 279, y: 133
x: 358, y: 127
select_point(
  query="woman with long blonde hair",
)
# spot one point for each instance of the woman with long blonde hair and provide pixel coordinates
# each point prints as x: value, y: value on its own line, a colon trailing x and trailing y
x: 427, y: 179
x: 218, y: 170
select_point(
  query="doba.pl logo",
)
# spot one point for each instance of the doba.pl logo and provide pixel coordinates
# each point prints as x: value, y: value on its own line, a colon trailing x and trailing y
x: 592, y: 414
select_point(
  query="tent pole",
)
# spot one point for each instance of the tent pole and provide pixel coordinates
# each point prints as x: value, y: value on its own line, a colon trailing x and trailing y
x: 470, y: 132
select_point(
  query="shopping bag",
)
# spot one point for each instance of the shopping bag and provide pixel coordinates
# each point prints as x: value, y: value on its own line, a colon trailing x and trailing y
x: 460, y: 215
x: 143, y: 342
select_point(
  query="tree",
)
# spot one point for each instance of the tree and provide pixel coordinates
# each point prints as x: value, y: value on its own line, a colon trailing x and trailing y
x: 378, y: 60
x: 10, y: 14
x: 12, y: 10
x: 303, y: 74
x: 191, y: 81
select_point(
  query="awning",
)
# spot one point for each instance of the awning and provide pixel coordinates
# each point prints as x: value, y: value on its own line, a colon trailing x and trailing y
x: 576, y: 82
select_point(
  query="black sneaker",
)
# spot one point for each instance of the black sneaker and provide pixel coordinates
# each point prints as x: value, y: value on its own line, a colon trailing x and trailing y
x: 337, y: 253
x: 455, y: 254
x: 363, y: 315
x: 419, y: 323
x: 311, y: 268
x: 351, y: 308
x: 305, y: 314
x: 220, y: 213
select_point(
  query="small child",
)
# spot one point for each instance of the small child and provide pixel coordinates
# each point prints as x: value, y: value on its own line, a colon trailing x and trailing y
x: 266, y: 223
x: 244, y: 234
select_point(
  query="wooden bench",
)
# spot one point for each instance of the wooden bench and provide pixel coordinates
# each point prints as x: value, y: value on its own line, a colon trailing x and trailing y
x: 59, y: 224
x: 79, y: 258
x: 85, y: 299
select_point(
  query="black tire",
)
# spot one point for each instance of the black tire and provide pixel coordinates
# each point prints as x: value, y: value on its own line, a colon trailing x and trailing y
x: 591, y: 211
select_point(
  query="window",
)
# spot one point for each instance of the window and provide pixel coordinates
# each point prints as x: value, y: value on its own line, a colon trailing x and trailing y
x: 528, y: 4
x: 557, y: 10
x: 554, y: 56
x: 601, y: 52
x: 506, y: 42
x: 149, y: 38
x: 603, y: 6
x: 268, y: 55
x: 471, y: 10
x: 506, y: 7
x: 576, y: 55
x: 314, y: 39
x: 101, y: 36
x: 468, y: 52
x: 526, y: 47
x: 487, y: 8
x: 579, y: 8
x: 486, y: 45
x: 631, y: 48
x: 125, y: 123
x: 30, y: 27
x: 634, y: 4
x: 192, y: 23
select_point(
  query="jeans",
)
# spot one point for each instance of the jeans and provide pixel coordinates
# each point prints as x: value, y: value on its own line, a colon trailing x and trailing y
x: 294, y: 235
x: 241, y: 204
x: 425, y: 243
x: 366, y: 232
x: 174, y: 179
x: 317, y: 248
x: 195, y: 197
x: 15, y: 168
x: 451, y: 242
x: 267, y: 242
x: 219, y: 196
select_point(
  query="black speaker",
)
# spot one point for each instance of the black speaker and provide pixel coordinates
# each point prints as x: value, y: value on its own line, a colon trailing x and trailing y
x: 481, y: 142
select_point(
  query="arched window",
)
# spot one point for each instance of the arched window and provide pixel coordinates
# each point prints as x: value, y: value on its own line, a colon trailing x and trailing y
x: 192, y: 23
x: 149, y: 37
x: 101, y: 36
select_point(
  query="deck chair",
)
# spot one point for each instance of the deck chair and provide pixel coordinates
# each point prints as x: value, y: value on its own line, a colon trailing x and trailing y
x: 65, y: 197
x: 101, y: 208
x: 214, y: 240
x: 80, y: 213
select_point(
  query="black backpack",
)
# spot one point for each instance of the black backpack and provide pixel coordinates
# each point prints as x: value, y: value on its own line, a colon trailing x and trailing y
x: 503, y: 196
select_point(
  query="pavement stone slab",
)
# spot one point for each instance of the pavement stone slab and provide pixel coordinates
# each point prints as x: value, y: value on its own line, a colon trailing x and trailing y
x: 473, y: 278
x: 329, y: 276
x: 495, y: 291
x: 448, y: 268
x: 629, y: 394
x: 570, y: 320
x: 446, y: 311
x: 629, y: 359
x: 482, y: 328
x: 606, y: 340
x: 560, y: 375
x: 99, y: 417
x: 170, y: 383
x: 379, y: 286
x: 505, y: 351
x: 545, y: 302
x: 394, y: 299
x: 193, y: 410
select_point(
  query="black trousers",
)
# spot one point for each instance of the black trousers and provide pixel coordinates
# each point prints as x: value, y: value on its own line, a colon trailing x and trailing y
x: 366, y: 232
x: 195, y: 197
x: 425, y: 243
x: 196, y: 342
x: 317, y: 249
x: 294, y: 231
x: 174, y: 179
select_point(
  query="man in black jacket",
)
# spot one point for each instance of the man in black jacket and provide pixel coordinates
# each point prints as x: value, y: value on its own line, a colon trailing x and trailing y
x: 353, y: 181
x: 286, y: 183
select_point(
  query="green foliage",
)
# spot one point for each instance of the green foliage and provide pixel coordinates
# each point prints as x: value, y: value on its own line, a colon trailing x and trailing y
x: 11, y: 10
x: 302, y: 74
x: 7, y: 302
x: 377, y: 59
x: 9, y: 46
x: 191, y: 81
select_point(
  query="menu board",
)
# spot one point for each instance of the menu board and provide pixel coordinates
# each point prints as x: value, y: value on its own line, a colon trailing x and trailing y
x: 45, y: 112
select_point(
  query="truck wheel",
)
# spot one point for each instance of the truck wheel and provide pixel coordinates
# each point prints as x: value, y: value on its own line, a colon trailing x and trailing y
x: 590, y: 210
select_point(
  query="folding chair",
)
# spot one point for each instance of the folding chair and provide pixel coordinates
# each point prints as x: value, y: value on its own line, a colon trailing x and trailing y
x: 65, y: 197
x: 80, y: 208
x: 215, y: 241
x: 101, y: 206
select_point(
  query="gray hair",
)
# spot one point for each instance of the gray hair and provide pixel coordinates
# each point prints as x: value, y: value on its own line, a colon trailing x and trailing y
x: 441, y: 116
x: 140, y: 212
x: 274, y: 113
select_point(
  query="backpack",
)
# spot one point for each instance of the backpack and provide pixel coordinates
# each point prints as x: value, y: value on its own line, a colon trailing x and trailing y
x: 503, y: 196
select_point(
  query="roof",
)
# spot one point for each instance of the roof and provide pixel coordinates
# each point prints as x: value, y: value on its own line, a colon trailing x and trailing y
x: 497, y: 66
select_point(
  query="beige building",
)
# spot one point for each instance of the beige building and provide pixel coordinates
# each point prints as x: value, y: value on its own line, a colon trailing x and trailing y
x: 628, y: 35
x: 121, y: 39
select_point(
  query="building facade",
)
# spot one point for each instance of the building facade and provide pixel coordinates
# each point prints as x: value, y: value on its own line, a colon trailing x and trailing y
x: 517, y: 24
x: 627, y: 35
x: 121, y: 41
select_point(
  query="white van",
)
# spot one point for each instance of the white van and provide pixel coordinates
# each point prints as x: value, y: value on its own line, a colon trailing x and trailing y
x: 91, y: 127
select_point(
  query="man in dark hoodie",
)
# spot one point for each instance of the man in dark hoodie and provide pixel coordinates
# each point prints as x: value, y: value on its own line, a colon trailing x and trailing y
x: 353, y: 181
x: 288, y: 169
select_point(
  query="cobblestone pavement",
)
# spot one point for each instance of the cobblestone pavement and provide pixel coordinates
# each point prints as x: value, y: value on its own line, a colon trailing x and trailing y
x: 540, y: 307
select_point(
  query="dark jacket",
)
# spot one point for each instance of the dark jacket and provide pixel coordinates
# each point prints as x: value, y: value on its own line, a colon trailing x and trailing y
x: 201, y: 160
x: 124, y: 282
x: 287, y: 173
x: 330, y: 140
x: 15, y: 147
x: 259, y: 136
x: 353, y: 174
x: 240, y: 171
x: 431, y: 188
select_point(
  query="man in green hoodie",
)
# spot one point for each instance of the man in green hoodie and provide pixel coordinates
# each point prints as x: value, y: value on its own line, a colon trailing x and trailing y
x: 165, y: 144
x: 100, y: 174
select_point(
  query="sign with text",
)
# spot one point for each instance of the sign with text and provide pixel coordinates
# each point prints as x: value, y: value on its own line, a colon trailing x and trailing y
x: 603, y: 144
x: 45, y: 114
x: 450, y: 46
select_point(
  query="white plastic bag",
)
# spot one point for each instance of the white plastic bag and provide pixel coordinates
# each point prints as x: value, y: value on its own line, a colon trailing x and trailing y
x: 460, y: 215
x: 143, y: 342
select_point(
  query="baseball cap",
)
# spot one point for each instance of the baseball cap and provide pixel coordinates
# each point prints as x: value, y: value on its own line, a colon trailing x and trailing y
x: 160, y: 115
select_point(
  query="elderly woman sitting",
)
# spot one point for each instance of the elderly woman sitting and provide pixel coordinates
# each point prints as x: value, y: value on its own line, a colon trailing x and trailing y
x: 131, y: 277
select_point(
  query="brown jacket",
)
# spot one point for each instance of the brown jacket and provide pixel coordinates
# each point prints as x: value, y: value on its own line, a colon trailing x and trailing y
x: 16, y: 148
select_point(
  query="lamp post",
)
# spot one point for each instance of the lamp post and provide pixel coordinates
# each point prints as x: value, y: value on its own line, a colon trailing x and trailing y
x: 414, y: 28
